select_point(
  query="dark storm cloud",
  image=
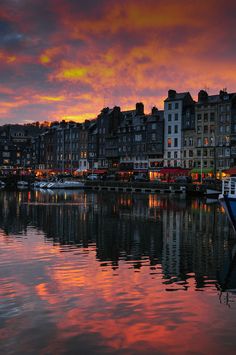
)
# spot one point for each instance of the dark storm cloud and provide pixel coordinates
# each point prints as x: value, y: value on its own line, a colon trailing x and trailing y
x: 68, y: 55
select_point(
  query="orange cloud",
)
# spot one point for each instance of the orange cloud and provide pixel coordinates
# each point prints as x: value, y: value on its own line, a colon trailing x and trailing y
x: 116, y: 53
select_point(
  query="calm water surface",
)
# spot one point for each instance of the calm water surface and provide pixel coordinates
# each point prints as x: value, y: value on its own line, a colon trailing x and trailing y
x: 101, y: 273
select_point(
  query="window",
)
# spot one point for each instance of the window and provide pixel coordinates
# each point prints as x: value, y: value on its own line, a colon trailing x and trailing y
x: 205, y: 152
x: 169, y: 154
x: 176, y: 142
x: 169, y: 106
x: 138, y: 137
x: 205, y: 129
x: 212, y: 116
x: 206, y: 141
x: 153, y: 136
x: 176, y: 129
x: 184, y: 153
x: 227, y: 129
x: 169, y: 142
x: 154, y: 125
x: 211, y: 153
x: 175, y: 155
x: 169, y: 117
x: 222, y: 118
x: 176, y: 116
x: 190, y: 153
x: 176, y: 105
x: 199, y: 142
x: 205, y: 117
x: 6, y: 154
x: 199, y: 117
x: 190, y: 141
x: 212, y: 129
x: 169, y: 129
x: 199, y: 153
x: 199, y: 129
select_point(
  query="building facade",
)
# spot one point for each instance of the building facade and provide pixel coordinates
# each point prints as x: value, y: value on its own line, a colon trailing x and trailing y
x: 175, y: 106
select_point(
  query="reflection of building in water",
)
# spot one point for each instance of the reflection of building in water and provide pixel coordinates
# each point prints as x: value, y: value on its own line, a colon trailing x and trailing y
x: 121, y: 235
x: 172, y: 221
x: 185, y: 236
x: 194, y: 241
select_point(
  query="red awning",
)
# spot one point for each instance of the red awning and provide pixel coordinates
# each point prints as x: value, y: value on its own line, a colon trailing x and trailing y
x: 173, y: 171
x: 97, y: 171
x: 57, y: 170
x: 231, y: 171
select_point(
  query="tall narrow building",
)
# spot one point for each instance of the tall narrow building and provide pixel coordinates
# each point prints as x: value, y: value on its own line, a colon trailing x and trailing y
x: 175, y: 107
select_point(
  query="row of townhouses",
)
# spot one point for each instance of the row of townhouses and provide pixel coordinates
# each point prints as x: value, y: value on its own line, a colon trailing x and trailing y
x: 196, y: 135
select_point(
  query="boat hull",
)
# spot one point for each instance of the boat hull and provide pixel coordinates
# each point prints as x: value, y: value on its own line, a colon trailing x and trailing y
x: 211, y: 193
x: 229, y: 205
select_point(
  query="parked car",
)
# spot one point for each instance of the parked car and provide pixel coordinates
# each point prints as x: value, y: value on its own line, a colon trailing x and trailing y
x: 210, y: 180
x: 93, y: 177
x: 110, y: 177
x: 184, y: 179
x: 140, y: 178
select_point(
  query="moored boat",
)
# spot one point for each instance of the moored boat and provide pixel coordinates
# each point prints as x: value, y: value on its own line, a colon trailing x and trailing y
x: 59, y: 184
x: 228, y: 199
x: 22, y: 184
x: 2, y: 184
x: 66, y: 184
x: 212, y: 193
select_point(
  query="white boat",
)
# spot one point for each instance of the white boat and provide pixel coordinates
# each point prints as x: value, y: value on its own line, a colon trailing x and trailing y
x: 2, y: 184
x: 211, y: 193
x: 66, y: 184
x: 43, y: 185
x: 22, y: 184
x: 228, y: 199
x: 36, y: 184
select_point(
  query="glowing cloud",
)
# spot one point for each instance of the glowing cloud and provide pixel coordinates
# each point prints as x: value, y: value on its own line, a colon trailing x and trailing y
x: 75, y: 58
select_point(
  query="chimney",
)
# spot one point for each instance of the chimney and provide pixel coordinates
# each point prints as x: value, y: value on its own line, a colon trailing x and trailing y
x: 154, y: 111
x: 202, y: 96
x: 139, y: 109
x: 171, y: 94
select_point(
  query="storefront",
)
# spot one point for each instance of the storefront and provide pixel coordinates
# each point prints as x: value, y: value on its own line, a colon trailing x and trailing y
x: 167, y: 174
x: 205, y: 172
x: 229, y: 172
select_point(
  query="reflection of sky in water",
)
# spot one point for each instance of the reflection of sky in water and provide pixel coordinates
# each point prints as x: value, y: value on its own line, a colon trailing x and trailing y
x: 102, y: 273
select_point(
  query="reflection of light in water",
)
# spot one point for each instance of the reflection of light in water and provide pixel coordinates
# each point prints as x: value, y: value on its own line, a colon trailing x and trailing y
x: 154, y: 201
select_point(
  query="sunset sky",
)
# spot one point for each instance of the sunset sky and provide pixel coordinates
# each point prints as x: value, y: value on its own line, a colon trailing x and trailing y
x: 67, y: 59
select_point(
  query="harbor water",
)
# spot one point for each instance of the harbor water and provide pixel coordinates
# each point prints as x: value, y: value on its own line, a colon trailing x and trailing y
x: 115, y: 273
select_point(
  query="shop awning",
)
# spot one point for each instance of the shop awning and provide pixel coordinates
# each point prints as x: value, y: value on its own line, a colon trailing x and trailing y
x: 173, y: 171
x: 231, y: 171
x: 97, y: 171
x: 203, y: 170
